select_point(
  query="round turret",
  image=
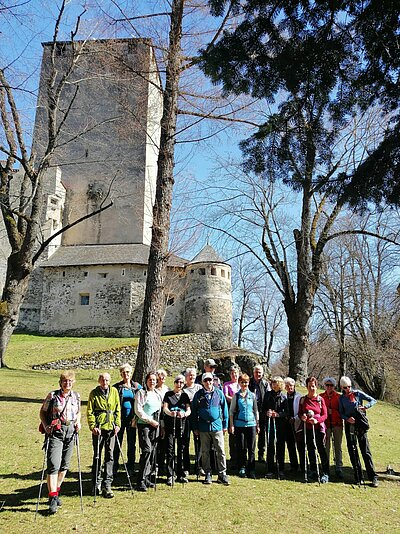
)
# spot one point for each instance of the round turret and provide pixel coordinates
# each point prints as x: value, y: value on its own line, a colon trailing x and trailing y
x: 208, y: 298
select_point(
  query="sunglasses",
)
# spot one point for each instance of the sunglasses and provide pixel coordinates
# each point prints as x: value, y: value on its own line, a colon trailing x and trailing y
x: 329, y: 385
x: 346, y: 387
x: 207, y: 380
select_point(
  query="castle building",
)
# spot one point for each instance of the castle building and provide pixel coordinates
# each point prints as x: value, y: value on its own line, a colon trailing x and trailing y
x: 91, y: 280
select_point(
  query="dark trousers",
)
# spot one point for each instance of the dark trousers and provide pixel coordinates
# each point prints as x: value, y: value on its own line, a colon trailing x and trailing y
x: 187, y: 433
x: 105, y: 471
x: 261, y: 441
x: 175, y: 463
x: 131, y: 446
x: 148, y: 444
x: 246, y: 445
x: 352, y: 436
x: 233, y: 457
x: 275, y: 458
x: 312, y: 453
x: 290, y: 439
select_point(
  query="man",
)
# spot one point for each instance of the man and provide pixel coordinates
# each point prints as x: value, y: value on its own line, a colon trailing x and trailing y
x: 209, y: 367
x: 104, y: 419
x: 210, y: 421
x: 259, y: 386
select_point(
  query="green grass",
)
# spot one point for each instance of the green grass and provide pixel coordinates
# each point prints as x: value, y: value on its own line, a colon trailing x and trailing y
x: 246, y: 506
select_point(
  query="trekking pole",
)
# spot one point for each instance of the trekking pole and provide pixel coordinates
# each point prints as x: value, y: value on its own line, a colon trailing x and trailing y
x: 333, y: 447
x: 97, y: 468
x: 123, y: 460
x: 310, y: 414
x: 46, y: 448
x: 305, y: 453
x: 173, y: 451
x: 181, y: 427
x: 268, y: 432
x: 275, y: 447
x: 78, y: 455
x: 197, y: 455
x: 154, y: 467
x: 356, y: 457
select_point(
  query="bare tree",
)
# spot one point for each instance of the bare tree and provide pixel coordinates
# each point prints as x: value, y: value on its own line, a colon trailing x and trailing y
x: 359, y: 300
x: 22, y: 193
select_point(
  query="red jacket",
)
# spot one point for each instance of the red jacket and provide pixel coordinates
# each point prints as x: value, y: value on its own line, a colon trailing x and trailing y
x: 332, y: 406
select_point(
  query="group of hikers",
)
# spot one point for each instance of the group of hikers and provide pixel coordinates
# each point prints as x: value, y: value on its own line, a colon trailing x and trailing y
x: 268, y: 413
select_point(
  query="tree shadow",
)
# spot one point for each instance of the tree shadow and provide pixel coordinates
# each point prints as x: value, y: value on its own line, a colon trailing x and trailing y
x: 9, y: 398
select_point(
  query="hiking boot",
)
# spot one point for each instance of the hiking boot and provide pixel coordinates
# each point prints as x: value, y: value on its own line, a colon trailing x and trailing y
x: 107, y: 492
x: 202, y: 473
x: 170, y: 481
x: 281, y: 475
x: 182, y: 480
x: 223, y: 479
x: 270, y: 474
x: 59, y: 501
x: 242, y: 472
x: 53, y: 507
x: 324, y: 479
x: 207, y: 479
x: 251, y: 475
x: 142, y: 486
x: 339, y: 474
x: 149, y: 483
x: 374, y: 482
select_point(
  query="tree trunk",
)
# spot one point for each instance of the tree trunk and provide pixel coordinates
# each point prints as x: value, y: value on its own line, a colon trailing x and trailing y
x: 13, y: 295
x: 154, y: 303
x: 298, y: 321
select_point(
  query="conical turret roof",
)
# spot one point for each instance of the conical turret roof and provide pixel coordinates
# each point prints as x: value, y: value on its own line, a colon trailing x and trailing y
x: 207, y: 254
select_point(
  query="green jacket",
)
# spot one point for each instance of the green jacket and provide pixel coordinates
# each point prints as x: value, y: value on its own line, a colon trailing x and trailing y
x: 103, y: 412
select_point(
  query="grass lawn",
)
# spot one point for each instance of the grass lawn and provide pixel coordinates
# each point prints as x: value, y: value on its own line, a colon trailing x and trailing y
x: 249, y: 506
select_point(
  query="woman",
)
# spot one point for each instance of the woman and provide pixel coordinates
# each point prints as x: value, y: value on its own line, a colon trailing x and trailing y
x: 334, y: 424
x: 162, y: 389
x: 312, y: 413
x: 161, y: 386
x: 356, y: 427
x: 244, y: 425
x: 230, y: 389
x: 176, y: 407
x: 275, y: 410
x: 190, y: 388
x: 292, y: 422
x: 148, y: 404
x: 127, y: 391
x: 60, y: 415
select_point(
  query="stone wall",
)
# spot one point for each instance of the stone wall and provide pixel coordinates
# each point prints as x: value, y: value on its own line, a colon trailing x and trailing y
x: 177, y: 353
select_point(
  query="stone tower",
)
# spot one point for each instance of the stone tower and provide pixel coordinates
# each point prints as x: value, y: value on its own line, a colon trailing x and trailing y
x: 208, y: 299
x: 108, y: 145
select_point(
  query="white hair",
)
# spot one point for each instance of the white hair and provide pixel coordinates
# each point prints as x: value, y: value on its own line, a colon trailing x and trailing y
x: 126, y: 367
x: 290, y: 381
x: 345, y: 381
x: 329, y: 380
x: 190, y: 370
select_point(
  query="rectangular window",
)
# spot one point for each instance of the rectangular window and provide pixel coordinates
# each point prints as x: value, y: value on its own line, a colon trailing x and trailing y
x: 213, y: 271
x: 123, y: 272
x: 202, y: 270
x: 84, y: 299
x: 222, y: 273
x: 85, y: 273
x: 103, y: 275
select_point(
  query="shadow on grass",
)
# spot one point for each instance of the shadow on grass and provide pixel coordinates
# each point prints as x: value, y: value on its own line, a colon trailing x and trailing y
x: 8, y: 398
x: 25, y: 499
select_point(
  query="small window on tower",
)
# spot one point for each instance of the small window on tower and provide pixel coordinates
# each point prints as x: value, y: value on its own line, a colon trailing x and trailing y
x: 123, y: 272
x: 202, y: 271
x: 85, y: 273
x: 222, y: 273
x: 103, y: 275
x: 84, y: 299
x: 213, y: 271
x: 170, y: 301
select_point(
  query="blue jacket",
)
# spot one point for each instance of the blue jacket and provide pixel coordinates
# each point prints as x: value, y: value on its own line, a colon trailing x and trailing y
x: 347, y: 408
x: 210, y: 411
x: 244, y: 411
